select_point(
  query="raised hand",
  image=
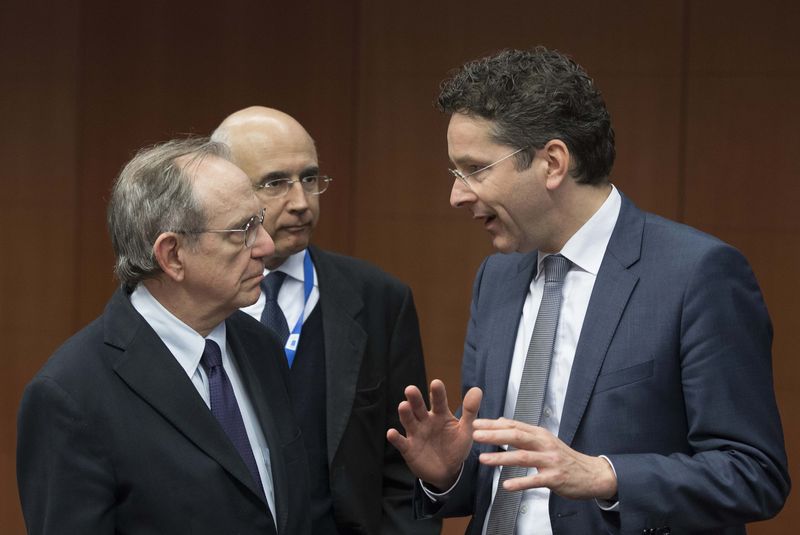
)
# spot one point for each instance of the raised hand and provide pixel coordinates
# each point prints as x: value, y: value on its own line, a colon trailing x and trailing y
x: 436, y: 442
x: 563, y: 470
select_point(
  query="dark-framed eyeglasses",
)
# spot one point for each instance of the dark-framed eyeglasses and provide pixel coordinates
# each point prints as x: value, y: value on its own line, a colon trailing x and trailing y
x: 249, y: 230
x: 465, y: 178
x: 312, y: 185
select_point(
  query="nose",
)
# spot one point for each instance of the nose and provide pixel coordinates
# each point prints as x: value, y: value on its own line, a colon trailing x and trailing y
x: 461, y: 194
x: 263, y: 246
x: 296, y: 197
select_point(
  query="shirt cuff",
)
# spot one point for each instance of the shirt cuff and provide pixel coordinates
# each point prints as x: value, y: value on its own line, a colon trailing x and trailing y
x: 613, y: 503
x: 437, y: 497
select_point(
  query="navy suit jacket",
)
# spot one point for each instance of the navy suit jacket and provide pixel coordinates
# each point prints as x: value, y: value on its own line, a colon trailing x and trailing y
x: 672, y: 380
x: 114, y: 438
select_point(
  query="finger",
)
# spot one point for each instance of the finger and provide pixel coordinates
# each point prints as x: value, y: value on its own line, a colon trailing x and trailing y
x: 471, y: 405
x: 504, y: 423
x: 439, y: 398
x: 416, y: 402
x: 517, y: 438
x: 407, y: 416
x: 524, y: 458
x: 532, y: 481
x: 397, y: 440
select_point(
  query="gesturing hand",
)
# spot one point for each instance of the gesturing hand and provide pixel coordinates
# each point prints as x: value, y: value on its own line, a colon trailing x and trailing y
x: 563, y: 470
x: 436, y: 442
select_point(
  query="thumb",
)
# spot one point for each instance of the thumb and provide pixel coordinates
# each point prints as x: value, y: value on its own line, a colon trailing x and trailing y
x: 471, y: 404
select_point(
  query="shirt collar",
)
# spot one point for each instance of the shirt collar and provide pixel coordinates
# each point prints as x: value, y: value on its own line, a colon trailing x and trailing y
x: 185, y: 344
x: 586, y: 248
x: 293, y: 267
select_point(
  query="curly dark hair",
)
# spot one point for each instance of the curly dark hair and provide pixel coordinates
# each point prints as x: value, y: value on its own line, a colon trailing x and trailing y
x: 534, y: 96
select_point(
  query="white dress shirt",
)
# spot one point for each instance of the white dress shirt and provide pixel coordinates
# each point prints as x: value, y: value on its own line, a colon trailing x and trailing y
x: 291, y: 295
x: 187, y: 346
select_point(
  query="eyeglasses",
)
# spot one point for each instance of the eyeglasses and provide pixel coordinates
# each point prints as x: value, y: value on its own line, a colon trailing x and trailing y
x: 312, y: 185
x: 463, y: 178
x: 249, y: 230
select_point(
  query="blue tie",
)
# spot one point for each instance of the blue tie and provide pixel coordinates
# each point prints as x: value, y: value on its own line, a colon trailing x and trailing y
x: 272, y: 316
x: 225, y: 409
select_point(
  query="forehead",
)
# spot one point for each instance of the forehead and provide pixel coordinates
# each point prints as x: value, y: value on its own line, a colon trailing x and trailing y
x: 470, y: 137
x: 285, y: 152
x: 222, y: 188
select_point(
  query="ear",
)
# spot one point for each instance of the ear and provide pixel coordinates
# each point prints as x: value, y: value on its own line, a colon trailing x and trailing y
x: 167, y: 251
x: 556, y: 155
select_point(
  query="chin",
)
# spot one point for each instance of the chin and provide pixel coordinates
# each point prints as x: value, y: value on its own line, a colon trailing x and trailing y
x: 504, y: 246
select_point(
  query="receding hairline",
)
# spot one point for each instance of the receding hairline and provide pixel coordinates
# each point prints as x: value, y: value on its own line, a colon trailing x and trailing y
x: 258, y: 122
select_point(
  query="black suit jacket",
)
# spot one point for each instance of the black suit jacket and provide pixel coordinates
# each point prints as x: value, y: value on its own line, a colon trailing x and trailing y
x: 114, y: 438
x: 372, y: 352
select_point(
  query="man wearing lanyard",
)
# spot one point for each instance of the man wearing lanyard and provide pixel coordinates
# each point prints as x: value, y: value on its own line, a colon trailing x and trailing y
x: 350, y: 333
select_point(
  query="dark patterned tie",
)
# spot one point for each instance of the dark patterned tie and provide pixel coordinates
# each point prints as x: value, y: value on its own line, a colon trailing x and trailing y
x: 272, y: 316
x: 225, y: 408
x: 532, y: 388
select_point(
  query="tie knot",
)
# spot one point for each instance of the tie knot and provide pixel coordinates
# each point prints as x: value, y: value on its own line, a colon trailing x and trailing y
x: 271, y: 284
x: 555, y: 268
x: 212, y: 356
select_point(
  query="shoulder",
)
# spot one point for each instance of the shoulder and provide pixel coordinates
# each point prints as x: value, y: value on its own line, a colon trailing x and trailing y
x: 79, y: 356
x: 678, y: 245
x: 358, y: 272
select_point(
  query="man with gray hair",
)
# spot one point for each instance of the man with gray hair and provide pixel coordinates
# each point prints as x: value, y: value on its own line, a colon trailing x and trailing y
x: 163, y: 416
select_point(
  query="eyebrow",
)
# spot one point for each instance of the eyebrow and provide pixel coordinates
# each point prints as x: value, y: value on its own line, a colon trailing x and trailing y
x: 278, y: 175
x: 468, y: 159
x: 240, y: 223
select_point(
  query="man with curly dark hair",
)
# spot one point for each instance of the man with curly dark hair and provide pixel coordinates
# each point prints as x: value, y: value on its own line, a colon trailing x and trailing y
x: 617, y: 373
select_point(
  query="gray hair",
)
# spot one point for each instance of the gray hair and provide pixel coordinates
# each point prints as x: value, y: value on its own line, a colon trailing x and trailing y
x: 532, y: 97
x: 153, y: 195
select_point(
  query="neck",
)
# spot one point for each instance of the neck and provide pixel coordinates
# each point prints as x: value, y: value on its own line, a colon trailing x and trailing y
x: 575, y: 207
x: 182, y: 306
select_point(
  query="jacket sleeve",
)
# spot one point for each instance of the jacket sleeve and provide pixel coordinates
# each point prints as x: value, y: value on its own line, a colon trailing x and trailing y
x: 66, y: 482
x: 406, y: 367
x: 736, y: 471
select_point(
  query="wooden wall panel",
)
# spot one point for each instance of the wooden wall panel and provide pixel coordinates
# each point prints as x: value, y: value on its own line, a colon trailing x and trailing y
x: 742, y: 169
x: 37, y: 208
x: 702, y: 96
x: 154, y: 71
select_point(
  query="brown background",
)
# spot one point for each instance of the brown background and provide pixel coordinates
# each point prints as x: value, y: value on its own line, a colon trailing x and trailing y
x: 703, y: 94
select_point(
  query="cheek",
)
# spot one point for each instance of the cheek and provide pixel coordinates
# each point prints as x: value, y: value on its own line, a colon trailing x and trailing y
x: 270, y: 224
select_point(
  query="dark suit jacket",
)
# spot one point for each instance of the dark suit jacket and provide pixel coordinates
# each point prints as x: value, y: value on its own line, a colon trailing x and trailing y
x: 672, y: 380
x: 114, y: 438
x: 372, y: 352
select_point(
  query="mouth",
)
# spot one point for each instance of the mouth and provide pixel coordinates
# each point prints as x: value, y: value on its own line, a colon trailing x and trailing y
x: 488, y: 219
x: 259, y: 275
x: 303, y: 227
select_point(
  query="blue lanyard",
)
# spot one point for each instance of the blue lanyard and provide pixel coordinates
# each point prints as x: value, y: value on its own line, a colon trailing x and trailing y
x: 308, y: 284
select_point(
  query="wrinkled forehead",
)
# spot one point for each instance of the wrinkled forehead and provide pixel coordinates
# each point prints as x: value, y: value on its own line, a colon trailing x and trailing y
x: 222, y: 188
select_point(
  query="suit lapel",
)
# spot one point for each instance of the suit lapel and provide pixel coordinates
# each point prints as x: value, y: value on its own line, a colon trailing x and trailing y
x: 610, y: 296
x: 252, y: 367
x: 502, y: 335
x: 345, y: 342
x: 150, y: 370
